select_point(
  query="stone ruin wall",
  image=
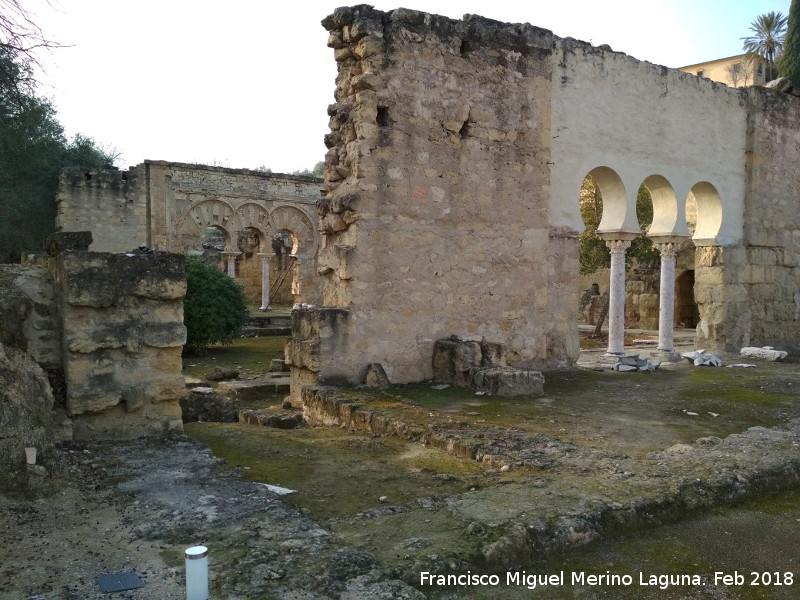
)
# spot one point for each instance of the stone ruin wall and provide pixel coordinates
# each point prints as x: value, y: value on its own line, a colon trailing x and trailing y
x: 108, y: 329
x: 456, y: 153
x: 751, y: 291
x: 436, y: 218
x: 167, y: 206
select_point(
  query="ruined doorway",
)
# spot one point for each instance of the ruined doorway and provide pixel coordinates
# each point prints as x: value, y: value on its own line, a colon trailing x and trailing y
x: 283, y: 274
x: 249, y: 243
x: 687, y: 314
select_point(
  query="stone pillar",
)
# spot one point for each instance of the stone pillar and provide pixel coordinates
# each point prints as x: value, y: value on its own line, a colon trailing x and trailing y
x: 265, y: 258
x: 666, y: 307
x: 616, y: 297
x: 230, y: 258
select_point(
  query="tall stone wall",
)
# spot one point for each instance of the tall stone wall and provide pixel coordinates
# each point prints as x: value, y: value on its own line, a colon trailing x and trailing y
x: 110, y: 202
x: 436, y: 220
x: 750, y: 294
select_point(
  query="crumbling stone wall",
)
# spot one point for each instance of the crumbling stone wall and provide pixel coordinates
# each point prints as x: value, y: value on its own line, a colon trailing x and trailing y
x: 436, y: 218
x: 122, y: 332
x: 168, y: 206
x: 107, y: 328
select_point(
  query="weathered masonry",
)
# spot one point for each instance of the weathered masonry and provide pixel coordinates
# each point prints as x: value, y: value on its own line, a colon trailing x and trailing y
x: 250, y: 221
x: 456, y: 153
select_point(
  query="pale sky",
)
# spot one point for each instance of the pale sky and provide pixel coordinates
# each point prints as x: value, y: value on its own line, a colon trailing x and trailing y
x: 245, y: 83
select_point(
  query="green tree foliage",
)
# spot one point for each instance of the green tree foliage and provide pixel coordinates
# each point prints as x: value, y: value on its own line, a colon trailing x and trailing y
x: 594, y: 253
x: 33, y: 150
x: 789, y: 65
x: 767, y: 40
x: 214, y: 309
x: 319, y: 168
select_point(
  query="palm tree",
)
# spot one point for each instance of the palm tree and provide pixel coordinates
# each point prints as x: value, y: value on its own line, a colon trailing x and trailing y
x: 766, y: 42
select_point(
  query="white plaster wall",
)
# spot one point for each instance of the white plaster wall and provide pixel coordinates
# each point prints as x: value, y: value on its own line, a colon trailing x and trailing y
x: 640, y: 119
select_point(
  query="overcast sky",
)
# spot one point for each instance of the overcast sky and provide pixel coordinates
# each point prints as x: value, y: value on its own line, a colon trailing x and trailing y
x: 246, y: 83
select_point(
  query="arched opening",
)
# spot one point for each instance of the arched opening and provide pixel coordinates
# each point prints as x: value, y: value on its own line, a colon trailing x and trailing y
x: 687, y: 315
x: 249, y: 243
x: 212, y: 244
x: 616, y: 216
x: 284, y: 278
x: 705, y: 204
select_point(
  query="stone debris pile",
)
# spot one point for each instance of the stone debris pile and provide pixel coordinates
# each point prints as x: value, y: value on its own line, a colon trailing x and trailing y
x: 701, y: 358
x: 632, y: 363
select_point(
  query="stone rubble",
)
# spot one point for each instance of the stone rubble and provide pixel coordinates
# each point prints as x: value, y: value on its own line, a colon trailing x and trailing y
x: 632, y: 362
x: 701, y: 358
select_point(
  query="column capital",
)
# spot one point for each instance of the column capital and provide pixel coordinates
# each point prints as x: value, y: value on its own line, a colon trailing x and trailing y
x: 265, y: 255
x: 618, y: 246
x: 230, y: 254
x: 667, y: 249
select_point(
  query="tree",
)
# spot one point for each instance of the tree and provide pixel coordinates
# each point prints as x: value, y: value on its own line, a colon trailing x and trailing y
x: 789, y: 65
x: 33, y: 150
x: 766, y: 42
x: 20, y: 39
x: 319, y: 168
x: 214, y: 308
x: 738, y: 72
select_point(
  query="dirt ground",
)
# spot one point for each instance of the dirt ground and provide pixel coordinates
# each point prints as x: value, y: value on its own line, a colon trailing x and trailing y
x: 370, y: 510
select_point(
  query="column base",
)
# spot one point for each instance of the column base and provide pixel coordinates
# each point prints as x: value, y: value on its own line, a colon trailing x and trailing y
x: 264, y: 308
x: 667, y: 355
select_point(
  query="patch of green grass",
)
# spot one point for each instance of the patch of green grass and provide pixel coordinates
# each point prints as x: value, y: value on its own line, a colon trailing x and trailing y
x: 336, y: 473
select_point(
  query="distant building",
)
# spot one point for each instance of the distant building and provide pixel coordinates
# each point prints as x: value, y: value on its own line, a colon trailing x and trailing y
x: 734, y: 71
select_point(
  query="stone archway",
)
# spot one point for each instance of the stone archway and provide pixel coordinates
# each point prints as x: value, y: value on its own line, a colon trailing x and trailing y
x: 706, y: 199
x: 200, y: 216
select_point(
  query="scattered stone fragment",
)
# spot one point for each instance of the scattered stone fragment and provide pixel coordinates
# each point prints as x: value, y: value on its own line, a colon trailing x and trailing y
x: 202, y: 390
x: 765, y: 353
x: 701, y: 358
x: 632, y: 362
x: 741, y: 365
x: 376, y: 377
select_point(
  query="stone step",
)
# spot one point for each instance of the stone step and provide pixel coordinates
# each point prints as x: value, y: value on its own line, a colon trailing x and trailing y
x: 253, y: 390
x: 248, y: 331
x: 270, y: 321
x: 266, y: 417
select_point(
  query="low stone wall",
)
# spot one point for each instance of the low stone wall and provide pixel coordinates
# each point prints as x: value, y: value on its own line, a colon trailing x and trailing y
x: 123, y: 332
x: 108, y: 331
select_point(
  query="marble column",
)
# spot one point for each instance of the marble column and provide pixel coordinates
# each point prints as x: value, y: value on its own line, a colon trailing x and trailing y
x: 616, y: 297
x: 230, y: 258
x: 265, y: 258
x: 666, y: 305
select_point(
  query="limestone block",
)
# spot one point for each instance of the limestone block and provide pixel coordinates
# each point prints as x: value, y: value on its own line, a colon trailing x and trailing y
x: 376, y: 377
x: 102, y: 279
x: 507, y: 381
x: 765, y: 353
x: 368, y: 46
x: 453, y: 359
x: 68, y: 241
